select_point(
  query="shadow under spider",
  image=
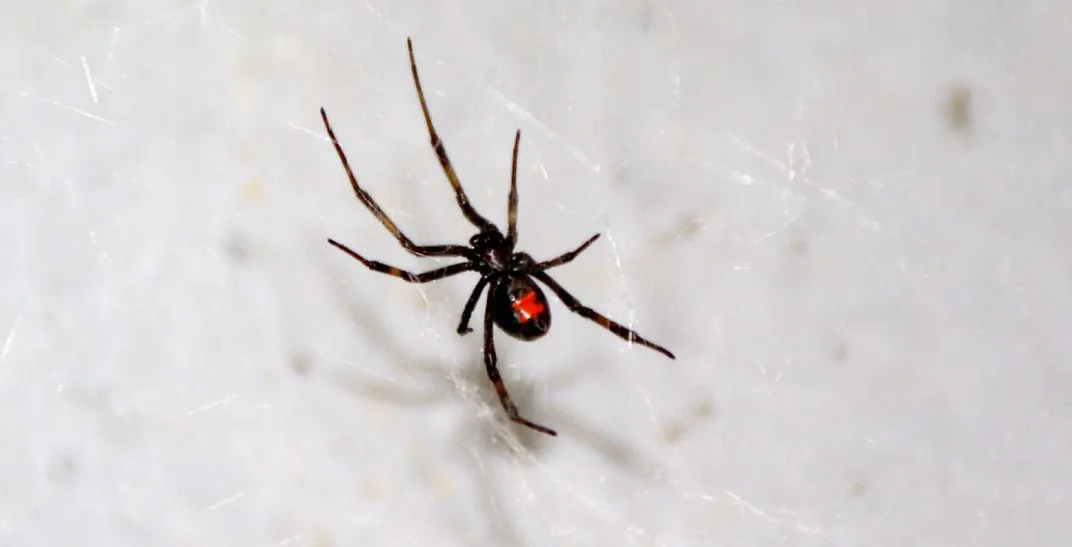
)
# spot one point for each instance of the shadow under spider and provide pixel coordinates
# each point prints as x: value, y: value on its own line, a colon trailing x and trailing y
x: 485, y: 431
x: 469, y: 381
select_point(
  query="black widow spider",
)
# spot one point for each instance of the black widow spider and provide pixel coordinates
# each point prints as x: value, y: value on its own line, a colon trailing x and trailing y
x: 515, y: 303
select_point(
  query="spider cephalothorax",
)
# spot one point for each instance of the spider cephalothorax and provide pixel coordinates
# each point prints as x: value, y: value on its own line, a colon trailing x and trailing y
x: 515, y: 301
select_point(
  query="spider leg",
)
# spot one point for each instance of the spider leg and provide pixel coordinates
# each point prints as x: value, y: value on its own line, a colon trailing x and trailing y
x: 493, y: 374
x: 566, y: 257
x: 467, y: 312
x: 575, y: 306
x: 441, y: 152
x: 511, y: 220
x: 366, y: 199
x: 423, y: 277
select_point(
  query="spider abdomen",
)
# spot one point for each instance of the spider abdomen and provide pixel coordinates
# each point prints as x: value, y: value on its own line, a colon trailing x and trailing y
x: 520, y: 308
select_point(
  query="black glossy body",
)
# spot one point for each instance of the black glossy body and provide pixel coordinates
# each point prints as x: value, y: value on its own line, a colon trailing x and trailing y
x: 515, y: 302
x: 519, y: 307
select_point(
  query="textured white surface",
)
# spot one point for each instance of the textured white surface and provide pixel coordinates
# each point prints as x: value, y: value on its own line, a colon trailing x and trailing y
x: 848, y: 219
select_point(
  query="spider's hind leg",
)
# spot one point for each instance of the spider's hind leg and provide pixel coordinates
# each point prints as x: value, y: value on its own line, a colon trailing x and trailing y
x: 575, y: 306
x: 467, y: 312
x: 490, y: 361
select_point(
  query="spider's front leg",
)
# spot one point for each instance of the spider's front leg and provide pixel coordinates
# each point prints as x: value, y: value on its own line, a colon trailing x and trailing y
x: 423, y: 277
x: 366, y: 199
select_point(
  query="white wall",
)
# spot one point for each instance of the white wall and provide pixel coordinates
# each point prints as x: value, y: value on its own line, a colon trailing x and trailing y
x: 848, y: 219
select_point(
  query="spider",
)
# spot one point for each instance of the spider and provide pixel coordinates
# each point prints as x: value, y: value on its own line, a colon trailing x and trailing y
x: 515, y: 303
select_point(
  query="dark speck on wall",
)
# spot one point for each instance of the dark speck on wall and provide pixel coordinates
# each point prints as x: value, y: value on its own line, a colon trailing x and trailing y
x: 958, y: 109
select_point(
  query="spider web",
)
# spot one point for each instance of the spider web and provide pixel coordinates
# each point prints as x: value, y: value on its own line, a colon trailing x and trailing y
x: 520, y: 487
x: 509, y: 460
x: 519, y: 481
x: 181, y: 351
